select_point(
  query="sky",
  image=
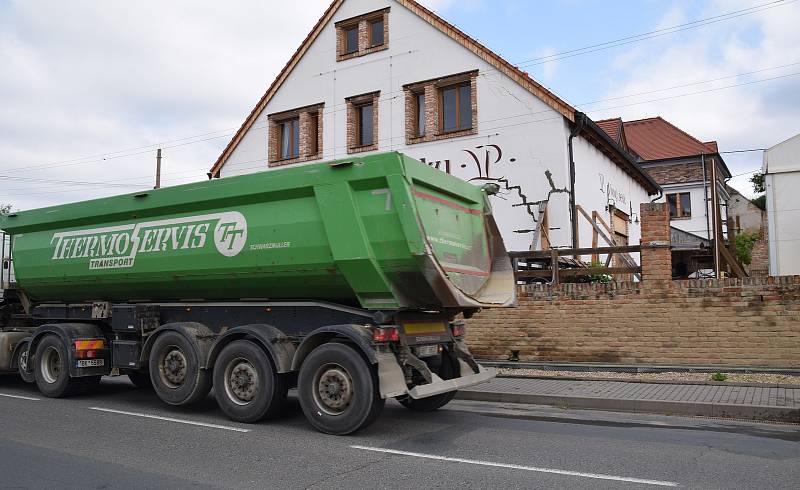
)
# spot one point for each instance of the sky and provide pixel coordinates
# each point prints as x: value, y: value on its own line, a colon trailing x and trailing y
x: 89, y: 90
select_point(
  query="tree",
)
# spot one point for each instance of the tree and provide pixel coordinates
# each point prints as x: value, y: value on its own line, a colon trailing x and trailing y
x: 758, y: 183
x: 759, y: 188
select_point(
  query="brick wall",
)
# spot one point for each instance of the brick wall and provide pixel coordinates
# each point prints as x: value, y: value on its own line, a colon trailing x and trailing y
x: 728, y: 322
x: 725, y: 322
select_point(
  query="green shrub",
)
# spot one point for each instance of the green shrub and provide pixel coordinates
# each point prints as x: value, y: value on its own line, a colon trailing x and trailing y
x: 719, y: 377
x: 744, y: 246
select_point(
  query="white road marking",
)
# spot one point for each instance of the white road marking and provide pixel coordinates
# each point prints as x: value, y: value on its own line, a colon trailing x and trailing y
x: 21, y: 397
x: 521, y: 467
x: 170, y: 419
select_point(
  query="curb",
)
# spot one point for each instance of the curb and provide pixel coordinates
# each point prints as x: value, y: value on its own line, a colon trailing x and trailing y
x: 656, y: 381
x: 634, y: 368
x: 753, y: 412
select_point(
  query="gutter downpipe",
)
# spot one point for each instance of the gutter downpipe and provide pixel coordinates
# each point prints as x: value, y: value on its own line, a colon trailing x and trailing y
x: 580, y: 121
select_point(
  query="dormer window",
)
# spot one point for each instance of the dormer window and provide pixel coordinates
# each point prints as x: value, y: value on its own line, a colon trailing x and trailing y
x: 362, y: 35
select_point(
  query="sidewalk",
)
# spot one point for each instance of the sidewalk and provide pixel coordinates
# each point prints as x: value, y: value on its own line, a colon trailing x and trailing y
x: 751, y: 402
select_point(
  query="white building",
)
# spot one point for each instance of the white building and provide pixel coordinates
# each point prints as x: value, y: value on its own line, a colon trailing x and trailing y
x: 383, y: 75
x: 782, y: 179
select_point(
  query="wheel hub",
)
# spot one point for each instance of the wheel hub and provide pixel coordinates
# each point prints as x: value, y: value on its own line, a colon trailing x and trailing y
x: 242, y: 381
x: 174, y: 368
x: 334, y: 391
x: 51, y: 365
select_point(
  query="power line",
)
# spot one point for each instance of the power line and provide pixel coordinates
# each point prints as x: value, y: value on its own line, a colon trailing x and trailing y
x: 742, y: 151
x: 655, y: 33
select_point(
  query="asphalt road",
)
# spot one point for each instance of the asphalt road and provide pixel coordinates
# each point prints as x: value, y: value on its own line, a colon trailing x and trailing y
x: 122, y: 437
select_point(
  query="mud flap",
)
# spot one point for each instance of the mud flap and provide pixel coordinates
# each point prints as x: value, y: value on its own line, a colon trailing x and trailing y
x: 390, y: 376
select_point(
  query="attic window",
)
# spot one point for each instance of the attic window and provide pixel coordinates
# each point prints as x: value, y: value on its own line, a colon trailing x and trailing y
x: 351, y: 40
x: 442, y: 108
x: 362, y: 35
x: 295, y: 136
x: 362, y: 122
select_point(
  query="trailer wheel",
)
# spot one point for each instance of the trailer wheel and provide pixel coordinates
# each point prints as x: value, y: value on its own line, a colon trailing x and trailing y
x: 140, y: 379
x: 246, y: 386
x: 51, y: 370
x: 22, y: 359
x: 175, y: 370
x: 446, y: 371
x: 338, y: 390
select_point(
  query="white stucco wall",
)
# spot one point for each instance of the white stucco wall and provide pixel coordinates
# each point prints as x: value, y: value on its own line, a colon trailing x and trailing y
x: 783, y: 216
x: 519, y: 137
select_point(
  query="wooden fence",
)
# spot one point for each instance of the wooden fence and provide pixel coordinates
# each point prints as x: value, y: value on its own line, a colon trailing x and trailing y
x: 545, y: 266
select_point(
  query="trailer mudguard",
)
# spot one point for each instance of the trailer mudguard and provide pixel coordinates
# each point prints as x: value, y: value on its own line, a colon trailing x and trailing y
x: 271, y: 339
x: 200, y: 336
x: 359, y: 334
x: 69, y: 333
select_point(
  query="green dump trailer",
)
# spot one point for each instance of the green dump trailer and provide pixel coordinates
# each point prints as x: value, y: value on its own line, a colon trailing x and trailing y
x: 347, y: 279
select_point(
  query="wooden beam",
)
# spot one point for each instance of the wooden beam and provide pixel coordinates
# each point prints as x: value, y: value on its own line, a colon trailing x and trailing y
x: 595, y: 257
x: 543, y: 254
x: 580, y: 271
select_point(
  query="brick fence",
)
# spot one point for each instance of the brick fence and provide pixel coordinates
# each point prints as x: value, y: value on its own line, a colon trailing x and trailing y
x: 725, y: 322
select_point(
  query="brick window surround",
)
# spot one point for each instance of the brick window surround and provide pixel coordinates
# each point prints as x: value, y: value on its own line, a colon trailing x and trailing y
x: 366, y: 43
x: 432, y: 91
x: 310, y: 144
x: 353, y: 125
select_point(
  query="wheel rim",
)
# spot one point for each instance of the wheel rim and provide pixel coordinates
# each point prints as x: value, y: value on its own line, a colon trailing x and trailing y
x: 172, y: 368
x: 51, y: 365
x: 333, y: 389
x: 23, y: 360
x: 241, y: 381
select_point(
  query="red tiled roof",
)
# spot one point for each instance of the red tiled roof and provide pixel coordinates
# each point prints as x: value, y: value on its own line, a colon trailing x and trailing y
x: 612, y: 127
x: 657, y: 139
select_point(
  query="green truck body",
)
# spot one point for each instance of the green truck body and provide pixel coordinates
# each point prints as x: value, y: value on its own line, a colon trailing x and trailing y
x: 344, y: 279
x: 378, y: 232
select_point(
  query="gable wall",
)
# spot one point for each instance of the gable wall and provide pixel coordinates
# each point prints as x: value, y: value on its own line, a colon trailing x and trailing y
x: 519, y: 137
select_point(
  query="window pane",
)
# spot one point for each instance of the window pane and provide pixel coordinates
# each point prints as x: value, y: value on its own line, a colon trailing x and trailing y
x: 295, y: 137
x: 421, y: 114
x: 376, y: 32
x: 465, y: 107
x: 686, y: 204
x: 365, y: 125
x: 672, y: 200
x: 449, y: 109
x: 286, y: 139
x: 351, y: 40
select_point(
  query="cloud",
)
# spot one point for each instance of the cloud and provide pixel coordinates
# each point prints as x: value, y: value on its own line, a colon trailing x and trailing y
x: 749, y: 116
x: 85, y: 77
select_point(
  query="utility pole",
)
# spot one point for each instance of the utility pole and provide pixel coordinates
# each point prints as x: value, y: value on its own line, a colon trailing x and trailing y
x: 158, y: 169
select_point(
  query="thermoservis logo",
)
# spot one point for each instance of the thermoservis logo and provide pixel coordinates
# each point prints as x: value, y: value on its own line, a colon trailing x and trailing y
x: 116, y: 247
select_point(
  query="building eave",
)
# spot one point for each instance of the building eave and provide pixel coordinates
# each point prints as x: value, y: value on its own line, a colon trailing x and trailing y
x: 617, y: 154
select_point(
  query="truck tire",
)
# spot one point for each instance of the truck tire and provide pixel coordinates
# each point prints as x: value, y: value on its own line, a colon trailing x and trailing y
x: 141, y: 379
x: 22, y: 358
x: 246, y: 385
x: 446, y: 371
x: 51, y: 370
x: 175, y: 370
x: 338, y: 390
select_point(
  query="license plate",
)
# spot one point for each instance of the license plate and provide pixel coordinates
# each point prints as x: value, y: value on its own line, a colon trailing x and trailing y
x: 427, y: 350
x: 414, y: 328
x: 91, y: 362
